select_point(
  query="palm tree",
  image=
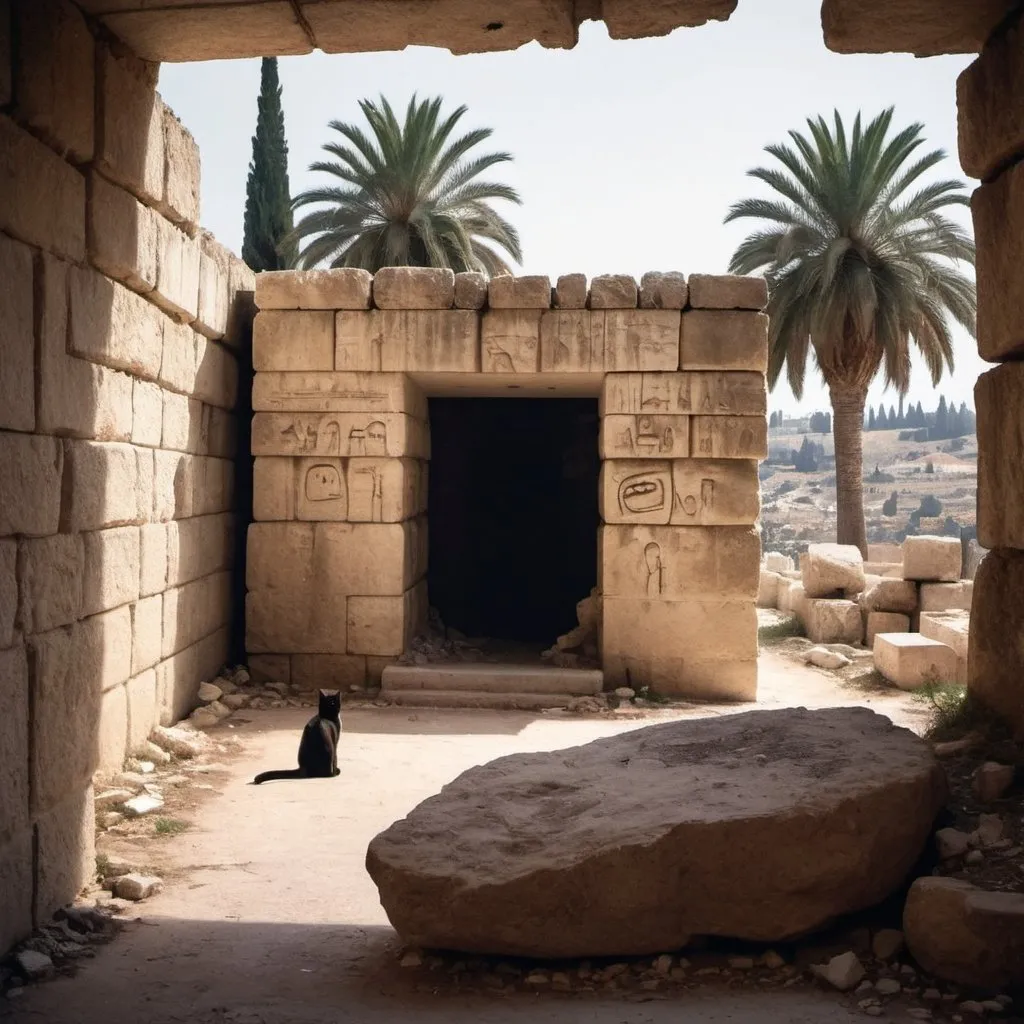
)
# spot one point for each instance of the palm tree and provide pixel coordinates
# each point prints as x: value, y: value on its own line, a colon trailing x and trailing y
x: 860, y: 259
x: 407, y: 195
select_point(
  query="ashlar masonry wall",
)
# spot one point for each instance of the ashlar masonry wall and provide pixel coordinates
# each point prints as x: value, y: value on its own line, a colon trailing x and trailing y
x: 345, y: 363
x: 119, y: 326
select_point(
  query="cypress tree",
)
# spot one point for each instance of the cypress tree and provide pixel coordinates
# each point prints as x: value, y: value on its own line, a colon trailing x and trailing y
x: 268, y: 209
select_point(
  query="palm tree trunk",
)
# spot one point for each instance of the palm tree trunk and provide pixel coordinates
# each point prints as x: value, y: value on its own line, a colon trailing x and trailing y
x: 847, y: 429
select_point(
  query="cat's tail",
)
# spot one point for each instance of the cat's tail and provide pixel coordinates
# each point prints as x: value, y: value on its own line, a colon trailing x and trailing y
x: 290, y: 773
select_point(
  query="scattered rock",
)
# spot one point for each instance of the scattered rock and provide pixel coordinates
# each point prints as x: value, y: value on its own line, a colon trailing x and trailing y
x: 209, y: 692
x: 145, y: 803
x: 108, y: 819
x: 153, y: 753
x: 952, y: 843
x: 625, y: 692
x: 33, y: 965
x: 220, y: 709
x: 134, y: 781
x: 991, y: 780
x: 234, y: 701
x: 821, y: 767
x: 972, y: 1006
x: 887, y: 943
x: 974, y: 857
x: 772, y: 960
x: 180, y: 742
x: 989, y: 830
x: 842, y: 972
x: 110, y: 798
x: 741, y: 963
x: 137, y: 887
x: 919, y: 1013
x: 411, y: 958
x: 240, y: 677
x: 586, y: 705
x: 953, y: 747
x: 888, y: 986
x: 663, y: 964
x: 822, y: 657
x: 203, y: 718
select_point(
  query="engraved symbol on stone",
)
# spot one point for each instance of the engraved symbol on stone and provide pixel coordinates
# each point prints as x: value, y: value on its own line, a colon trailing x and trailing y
x: 376, y: 438
x: 323, y: 483
x: 501, y: 361
x: 302, y: 434
x: 707, y: 494
x: 655, y: 569
x: 641, y: 492
x: 376, y: 492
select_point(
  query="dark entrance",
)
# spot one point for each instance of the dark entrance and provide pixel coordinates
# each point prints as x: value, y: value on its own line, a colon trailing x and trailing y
x: 513, y: 514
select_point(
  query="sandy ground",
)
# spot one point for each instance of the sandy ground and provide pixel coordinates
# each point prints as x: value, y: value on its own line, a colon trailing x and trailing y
x: 268, y: 916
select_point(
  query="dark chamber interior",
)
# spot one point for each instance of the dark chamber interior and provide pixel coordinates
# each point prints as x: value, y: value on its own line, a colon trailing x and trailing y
x: 513, y: 510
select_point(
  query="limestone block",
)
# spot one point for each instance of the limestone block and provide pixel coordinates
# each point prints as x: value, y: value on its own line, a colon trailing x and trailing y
x: 173, y: 485
x: 830, y: 621
x: 376, y: 625
x: 321, y: 489
x: 674, y: 563
x: 998, y: 211
x: 213, y: 485
x: 16, y: 858
x: 613, y: 291
x: 102, y: 486
x: 31, y: 469
x: 105, y: 644
x: 696, y: 648
x: 932, y: 559
x: 152, y: 558
x: 14, y: 742
x: 792, y: 598
x: 832, y: 567
x: 727, y: 291
x: 425, y: 341
x: 274, y: 488
x: 66, y: 851
x: 571, y: 341
x: 510, y: 341
x: 885, y: 553
x: 130, y: 132
x: 884, y: 622
x: 270, y: 668
x: 17, y: 341
x: 112, y: 736
x: 996, y: 664
x: 339, y: 434
x: 147, y: 413
x: 944, y: 597
x: 890, y: 595
x: 123, y: 235
x: 177, y: 272
x: 221, y: 433
x: 112, y: 567
x: 702, y: 393
x: 571, y: 291
x: 643, y: 339
x: 198, y: 546
x: 216, y: 374
x: 470, y: 291
x: 382, y: 490
x: 177, y: 423
x: 991, y: 121
x: 768, y: 589
x: 181, y: 172
x: 663, y: 290
x: 724, y: 340
x: 910, y: 660
x: 66, y: 698
x: 50, y: 575
x: 54, y: 78
x: 637, y: 492
x: 143, y: 708
x: 529, y: 292
x: 347, y: 288
x: 193, y: 610
x: 953, y: 629
x: 338, y: 392
x: 329, y: 671
x: 414, y: 288
x: 241, y: 307
x: 645, y: 437
x: 111, y: 325
x: 214, y: 297
x: 8, y: 590
x: 729, y: 437
x: 999, y: 398
x: 147, y: 633
x: 776, y: 561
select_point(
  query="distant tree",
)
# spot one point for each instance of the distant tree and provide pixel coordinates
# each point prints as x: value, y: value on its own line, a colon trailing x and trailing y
x: 882, y: 419
x: 889, y: 505
x: 268, y: 209
x: 929, y: 466
x: 901, y: 416
x: 871, y: 419
x: 942, y: 418
x: 821, y: 423
x: 893, y: 422
x: 930, y: 507
x: 805, y: 461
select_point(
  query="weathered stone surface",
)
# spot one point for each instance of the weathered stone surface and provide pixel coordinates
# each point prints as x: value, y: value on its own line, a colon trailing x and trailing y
x: 31, y: 468
x: 890, y: 595
x: 338, y: 392
x: 178, y: 272
x: 181, y: 172
x: 776, y: 561
x: 214, y: 288
x: 50, y: 571
x: 414, y: 288
x: 571, y: 341
x: 932, y: 558
x: 991, y: 780
x: 509, y: 292
x: 663, y: 290
x: 17, y: 342
x: 285, y: 340
x: 629, y: 20
x: 724, y: 340
x: 831, y: 568
x: 510, y: 341
x: 830, y: 621
x: 571, y: 291
x: 703, y: 818
x: 729, y: 437
x: 944, y: 597
x: 123, y: 235
x: 339, y: 434
x: 216, y: 374
x: 727, y: 291
x: 104, y: 485
x: 768, y: 589
x: 645, y: 437
x: 14, y: 744
x: 910, y: 660
x: 377, y: 625
x: 613, y: 291
x: 689, y: 392
x: 395, y: 339
x: 964, y: 934
x: 328, y: 671
x: 147, y: 634
x: 643, y: 339
x: 16, y: 882
x: 470, y: 290
x: 111, y: 576
x: 270, y: 668
x: 112, y: 734
x: 66, y: 852
x: 841, y: 972
x: 884, y: 622
x: 999, y: 398
x: 998, y: 210
x: 8, y: 590
x: 42, y: 198
x: 314, y: 289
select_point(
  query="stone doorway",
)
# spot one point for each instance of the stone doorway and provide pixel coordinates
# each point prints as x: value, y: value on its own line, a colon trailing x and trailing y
x: 513, y: 515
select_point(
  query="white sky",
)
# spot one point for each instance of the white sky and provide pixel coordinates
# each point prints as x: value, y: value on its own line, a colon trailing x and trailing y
x: 627, y: 153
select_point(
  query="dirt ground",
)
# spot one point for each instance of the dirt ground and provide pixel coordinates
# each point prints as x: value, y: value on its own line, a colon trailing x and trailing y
x: 268, y: 916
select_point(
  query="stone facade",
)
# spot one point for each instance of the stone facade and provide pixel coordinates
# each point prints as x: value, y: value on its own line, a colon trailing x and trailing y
x: 118, y: 385
x: 337, y: 558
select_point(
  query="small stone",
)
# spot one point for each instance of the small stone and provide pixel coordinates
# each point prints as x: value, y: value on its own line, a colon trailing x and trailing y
x: 146, y: 767
x: 863, y: 988
x: 625, y: 693
x: 219, y: 709
x: 873, y: 1011
x: 678, y: 974
x: 153, y: 753
x: 234, y: 701
x: 908, y: 971
x: 538, y: 978
x: 919, y: 1013
x: 989, y: 830
x: 279, y: 688
x: 772, y: 960
x: 972, y: 1006
x: 146, y: 803
x: 991, y: 780
x: 741, y: 963
x: 33, y: 965
x: 822, y: 657
x: 132, y: 780
x: 887, y: 943
x: 992, y: 1006
x: 181, y: 742
x: 842, y: 972
x: 974, y: 857
x: 411, y: 958
x: 108, y: 819
x: 113, y: 798
x: 932, y: 994
x: 887, y: 986
x: 1004, y: 1001
x: 240, y: 677
x: 203, y: 718
x: 952, y: 843
x: 663, y: 964
x: 137, y: 887
x: 209, y: 692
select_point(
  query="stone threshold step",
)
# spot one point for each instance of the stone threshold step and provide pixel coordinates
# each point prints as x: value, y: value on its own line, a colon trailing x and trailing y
x: 534, y: 679
x: 478, y: 699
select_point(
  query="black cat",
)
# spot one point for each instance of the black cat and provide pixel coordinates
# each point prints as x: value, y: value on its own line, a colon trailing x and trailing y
x: 318, y: 748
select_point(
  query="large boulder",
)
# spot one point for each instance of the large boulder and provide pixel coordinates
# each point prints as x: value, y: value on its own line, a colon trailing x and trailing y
x: 832, y: 568
x: 761, y: 826
x: 965, y: 934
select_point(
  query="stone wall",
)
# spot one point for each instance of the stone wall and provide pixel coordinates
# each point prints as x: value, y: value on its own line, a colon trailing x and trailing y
x: 344, y: 364
x: 118, y: 380
x: 991, y: 108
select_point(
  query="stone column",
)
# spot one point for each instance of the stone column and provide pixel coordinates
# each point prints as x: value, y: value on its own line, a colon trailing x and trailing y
x: 683, y: 425
x: 990, y: 97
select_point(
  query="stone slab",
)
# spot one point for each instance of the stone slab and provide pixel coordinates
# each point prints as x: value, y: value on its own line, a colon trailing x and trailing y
x: 645, y: 437
x: 999, y: 399
x: 570, y: 291
x: 112, y: 569
x: 641, y: 339
x: 14, y: 743
x: 510, y: 341
x: 123, y: 235
x: 697, y: 393
x: 729, y: 437
x: 663, y: 290
x: 347, y: 288
x: 932, y: 559
x: 414, y: 288
x: 103, y: 481
x: 470, y: 290
x: 829, y: 568
x: 50, y: 571
x: 724, y: 340
x: 507, y: 291
x: 953, y: 629
x: 727, y: 291
x: 408, y: 340
x: 328, y: 671
x: 66, y: 852
x: 338, y: 392
x: 31, y: 470
x: 884, y: 622
x: 342, y: 435
x: 572, y: 341
x: 16, y: 880
x: 910, y: 660
x: 614, y: 291
x: 891, y: 595
x: 181, y: 172
x: 493, y: 679
x: 293, y: 340
x: 832, y: 621
x: 944, y: 597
